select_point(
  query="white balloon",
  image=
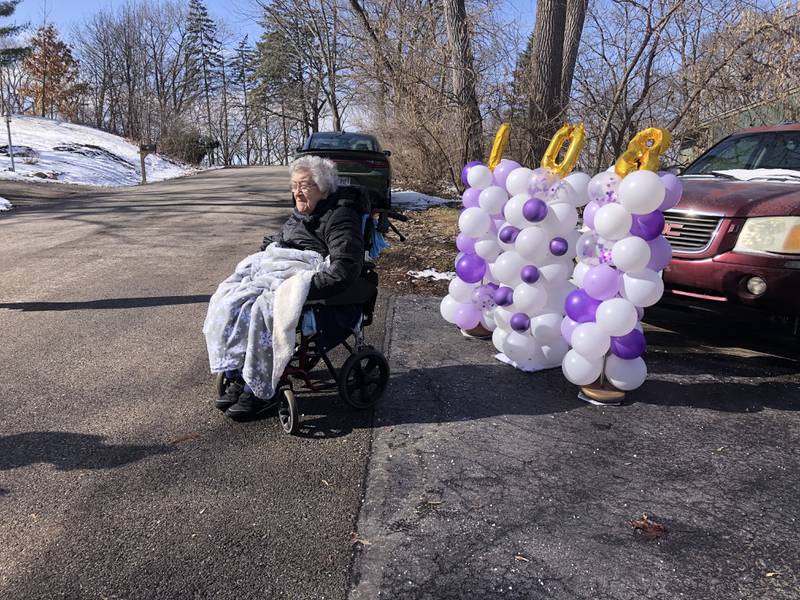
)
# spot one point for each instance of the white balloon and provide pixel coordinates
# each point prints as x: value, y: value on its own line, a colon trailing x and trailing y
x: 589, y: 340
x: 493, y: 199
x: 578, y: 273
x: 631, y: 254
x: 616, y: 316
x: 519, y: 347
x: 613, y: 221
x: 513, y: 211
x: 502, y: 316
x: 641, y: 192
x: 624, y: 374
x: 499, y: 336
x: 474, y: 221
x: 554, y: 352
x: 529, y: 298
x: 643, y: 288
x: 488, y: 249
x: 564, y: 193
x: 559, y: 294
x: 581, y: 370
x: 517, y: 181
x: 580, y: 183
x: 487, y: 320
x: 448, y: 308
x: 556, y: 272
x: 546, y: 327
x: 532, y: 243
x: 507, y: 267
x: 561, y: 218
x: 461, y: 291
x: 479, y: 177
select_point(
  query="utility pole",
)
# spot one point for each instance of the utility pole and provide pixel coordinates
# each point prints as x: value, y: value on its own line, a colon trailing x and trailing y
x: 7, y: 106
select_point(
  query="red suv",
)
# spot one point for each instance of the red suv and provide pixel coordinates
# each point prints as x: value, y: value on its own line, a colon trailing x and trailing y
x: 735, y: 234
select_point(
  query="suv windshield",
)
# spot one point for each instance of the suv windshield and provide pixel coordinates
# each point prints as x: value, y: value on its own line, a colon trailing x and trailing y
x: 769, y: 150
x: 339, y: 141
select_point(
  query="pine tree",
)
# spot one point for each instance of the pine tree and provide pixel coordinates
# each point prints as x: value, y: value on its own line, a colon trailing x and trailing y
x: 243, y: 74
x: 9, y: 56
x: 204, y: 55
x: 53, y: 74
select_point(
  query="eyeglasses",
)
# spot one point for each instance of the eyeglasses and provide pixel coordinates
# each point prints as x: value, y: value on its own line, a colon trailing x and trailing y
x: 304, y: 187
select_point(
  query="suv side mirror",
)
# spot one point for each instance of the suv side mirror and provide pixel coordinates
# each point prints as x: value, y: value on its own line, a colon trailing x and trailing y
x: 387, y: 152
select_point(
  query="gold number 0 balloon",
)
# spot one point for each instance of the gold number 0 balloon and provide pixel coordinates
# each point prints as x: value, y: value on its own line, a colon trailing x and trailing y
x: 576, y: 137
x: 644, y: 151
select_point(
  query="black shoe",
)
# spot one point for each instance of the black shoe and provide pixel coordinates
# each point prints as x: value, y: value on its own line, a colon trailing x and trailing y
x: 231, y: 395
x: 249, y: 407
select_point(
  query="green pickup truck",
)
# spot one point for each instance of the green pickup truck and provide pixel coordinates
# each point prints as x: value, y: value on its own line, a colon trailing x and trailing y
x: 359, y: 161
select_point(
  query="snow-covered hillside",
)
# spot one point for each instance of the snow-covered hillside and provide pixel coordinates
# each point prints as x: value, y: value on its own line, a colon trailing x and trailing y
x: 48, y: 150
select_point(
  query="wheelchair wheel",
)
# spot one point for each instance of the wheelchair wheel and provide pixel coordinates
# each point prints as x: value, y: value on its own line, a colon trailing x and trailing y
x: 288, y: 415
x: 363, y: 378
x: 221, y: 384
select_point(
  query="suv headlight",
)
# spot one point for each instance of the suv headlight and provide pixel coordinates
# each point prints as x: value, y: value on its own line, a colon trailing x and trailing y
x: 770, y: 234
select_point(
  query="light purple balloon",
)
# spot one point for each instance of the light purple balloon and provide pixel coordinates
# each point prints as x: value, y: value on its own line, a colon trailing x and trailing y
x: 502, y: 170
x: 601, y: 282
x: 674, y: 190
x: 629, y: 346
x: 580, y: 306
x: 649, y: 226
x: 470, y: 267
x: 470, y: 197
x: 589, y: 212
x: 465, y: 243
x: 567, y: 327
x: 660, y: 253
x: 467, y: 316
x: 466, y: 169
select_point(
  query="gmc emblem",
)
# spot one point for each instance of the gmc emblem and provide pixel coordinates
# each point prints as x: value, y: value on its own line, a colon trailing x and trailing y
x: 672, y: 229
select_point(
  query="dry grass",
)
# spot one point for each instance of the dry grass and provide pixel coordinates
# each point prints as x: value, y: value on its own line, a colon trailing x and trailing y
x: 430, y: 244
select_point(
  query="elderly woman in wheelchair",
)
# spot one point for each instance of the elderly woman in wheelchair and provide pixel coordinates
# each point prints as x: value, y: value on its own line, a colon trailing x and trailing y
x: 286, y: 307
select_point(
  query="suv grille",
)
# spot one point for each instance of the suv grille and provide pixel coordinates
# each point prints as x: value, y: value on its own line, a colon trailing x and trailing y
x: 687, y: 232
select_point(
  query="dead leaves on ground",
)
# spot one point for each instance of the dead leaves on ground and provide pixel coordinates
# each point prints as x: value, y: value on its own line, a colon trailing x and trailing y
x: 649, y: 529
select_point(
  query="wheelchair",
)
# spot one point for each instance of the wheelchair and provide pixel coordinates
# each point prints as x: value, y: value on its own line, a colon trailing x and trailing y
x: 364, y: 375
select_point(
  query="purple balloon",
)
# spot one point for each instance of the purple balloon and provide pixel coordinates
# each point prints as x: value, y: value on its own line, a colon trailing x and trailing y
x: 648, y: 227
x: 502, y: 170
x: 470, y: 197
x: 674, y: 190
x: 580, y: 306
x: 466, y: 169
x: 558, y: 246
x: 508, y: 234
x: 589, y: 212
x: 520, y: 322
x: 529, y: 274
x: 504, y: 296
x: 601, y: 282
x: 494, y: 286
x: 534, y: 210
x: 567, y: 327
x: 660, y: 253
x: 467, y: 316
x: 465, y: 243
x: 629, y: 346
x: 470, y: 267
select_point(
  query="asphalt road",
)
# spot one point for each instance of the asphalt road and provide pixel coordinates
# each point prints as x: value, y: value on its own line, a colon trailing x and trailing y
x: 118, y: 479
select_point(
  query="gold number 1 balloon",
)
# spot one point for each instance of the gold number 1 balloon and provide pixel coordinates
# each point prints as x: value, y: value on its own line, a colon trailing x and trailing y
x: 500, y: 141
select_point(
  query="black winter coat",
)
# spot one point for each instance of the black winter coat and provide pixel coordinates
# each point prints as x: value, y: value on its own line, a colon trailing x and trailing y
x: 334, y: 229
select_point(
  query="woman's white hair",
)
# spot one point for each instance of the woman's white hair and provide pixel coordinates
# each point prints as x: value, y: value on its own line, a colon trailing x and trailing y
x: 322, y: 170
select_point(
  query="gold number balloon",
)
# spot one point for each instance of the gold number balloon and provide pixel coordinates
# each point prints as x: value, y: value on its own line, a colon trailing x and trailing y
x: 644, y: 151
x: 575, y: 136
x: 500, y: 141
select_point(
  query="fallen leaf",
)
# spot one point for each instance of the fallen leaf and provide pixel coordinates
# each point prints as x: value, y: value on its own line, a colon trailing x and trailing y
x: 773, y: 573
x: 356, y: 539
x: 326, y: 483
x: 649, y: 529
x: 721, y: 448
x: 521, y: 558
x: 183, y: 438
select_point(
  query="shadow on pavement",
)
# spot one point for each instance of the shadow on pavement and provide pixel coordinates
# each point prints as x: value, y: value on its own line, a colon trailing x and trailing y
x: 107, y: 303
x: 67, y: 451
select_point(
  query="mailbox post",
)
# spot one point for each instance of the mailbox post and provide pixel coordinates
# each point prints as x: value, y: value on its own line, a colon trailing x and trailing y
x: 144, y: 150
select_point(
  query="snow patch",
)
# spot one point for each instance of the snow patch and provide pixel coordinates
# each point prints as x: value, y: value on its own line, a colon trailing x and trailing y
x: 5, y: 205
x: 50, y: 150
x: 432, y: 274
x: 762, y: 174
x: 411, y: 200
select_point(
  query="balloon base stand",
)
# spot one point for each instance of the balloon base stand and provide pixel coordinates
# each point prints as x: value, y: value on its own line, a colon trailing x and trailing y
x: 601, y: 394
x: 478, y: 333
x: 528, y: 367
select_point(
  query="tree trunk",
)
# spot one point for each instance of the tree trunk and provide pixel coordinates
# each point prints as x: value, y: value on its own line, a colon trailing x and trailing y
x: 576, y: 15
x: 463, y: 71
x: 547, y: 59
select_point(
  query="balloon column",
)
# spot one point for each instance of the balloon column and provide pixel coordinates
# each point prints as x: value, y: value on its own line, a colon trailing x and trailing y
x: 517, y: 245
x: 620, y: 259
